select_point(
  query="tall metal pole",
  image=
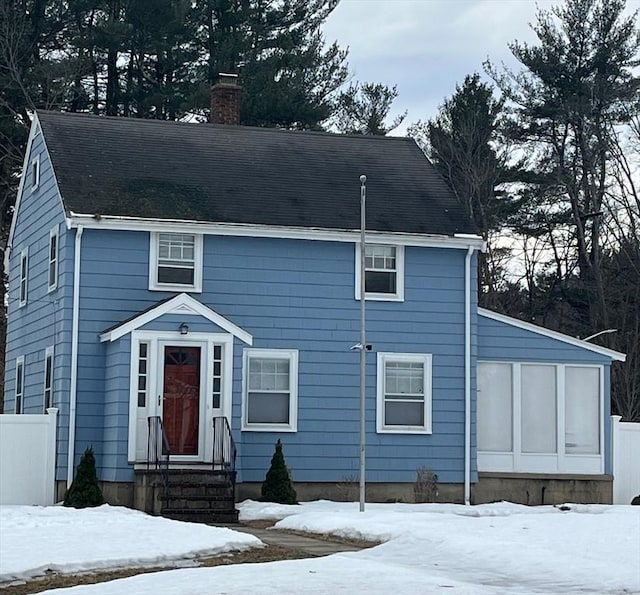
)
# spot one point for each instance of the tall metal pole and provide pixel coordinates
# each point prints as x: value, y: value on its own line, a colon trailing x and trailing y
x: 363, y: 341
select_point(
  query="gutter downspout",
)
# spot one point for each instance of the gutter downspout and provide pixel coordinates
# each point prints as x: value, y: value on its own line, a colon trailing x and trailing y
x: 73, y: 388
x: 467, y: 376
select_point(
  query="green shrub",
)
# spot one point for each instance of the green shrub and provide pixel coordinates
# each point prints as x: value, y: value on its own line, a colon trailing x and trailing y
x: 85, y: 490
x: 636, y: 501
x: 277, y: 486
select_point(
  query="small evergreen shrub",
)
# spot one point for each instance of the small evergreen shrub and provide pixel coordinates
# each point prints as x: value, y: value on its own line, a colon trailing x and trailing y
x: 636, y: 501
x: 277, y: 486
x: 425, y: 488
x: 85, y: 490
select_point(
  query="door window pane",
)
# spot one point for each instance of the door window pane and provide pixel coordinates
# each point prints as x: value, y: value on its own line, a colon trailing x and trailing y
x: 582, y: 410
x: 495, y: 407
x: 539, y: 417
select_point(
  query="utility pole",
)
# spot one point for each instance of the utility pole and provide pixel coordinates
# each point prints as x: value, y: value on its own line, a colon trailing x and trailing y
x: 363, y: 340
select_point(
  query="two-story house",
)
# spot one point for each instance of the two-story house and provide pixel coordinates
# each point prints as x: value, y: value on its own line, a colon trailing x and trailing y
x: 197, y: 286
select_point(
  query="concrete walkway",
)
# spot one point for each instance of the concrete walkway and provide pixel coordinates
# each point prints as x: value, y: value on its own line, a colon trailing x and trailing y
x: 310, y: 545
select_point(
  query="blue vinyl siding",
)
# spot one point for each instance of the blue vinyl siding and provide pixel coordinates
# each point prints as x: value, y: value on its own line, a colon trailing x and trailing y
x: 294, y: 294
x: 45, y: 320
x: 498, y: 341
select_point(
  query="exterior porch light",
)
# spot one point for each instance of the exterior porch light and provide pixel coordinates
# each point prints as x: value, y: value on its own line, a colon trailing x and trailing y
x: 184, y: 328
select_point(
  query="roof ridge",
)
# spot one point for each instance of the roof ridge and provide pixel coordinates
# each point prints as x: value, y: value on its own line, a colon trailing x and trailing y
x: 265, y: 129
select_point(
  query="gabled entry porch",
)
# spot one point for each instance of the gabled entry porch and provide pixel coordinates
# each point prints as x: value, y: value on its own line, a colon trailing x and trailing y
x: 179, y: 369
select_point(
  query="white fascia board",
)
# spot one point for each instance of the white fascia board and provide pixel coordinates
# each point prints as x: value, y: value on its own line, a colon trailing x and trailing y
x: 33, y: 131
x: 181, y: 304
x: 272, y: 231
x: 615, y: 355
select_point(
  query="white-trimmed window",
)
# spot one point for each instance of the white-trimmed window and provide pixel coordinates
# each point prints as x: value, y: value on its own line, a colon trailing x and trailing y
x: 52, y: 282
x: 35, y: 172
x: 48, y: 378
x: 540, y: 418
x: 175, y: 262
x: 404, y: 393
x: 19, y: 405
x: 143, y: 374
x: 270, y: 392
x: 24, y: 273
x: 383, y: 273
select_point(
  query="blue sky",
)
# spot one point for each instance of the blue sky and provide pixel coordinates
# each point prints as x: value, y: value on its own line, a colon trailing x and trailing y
x: 426, y: 47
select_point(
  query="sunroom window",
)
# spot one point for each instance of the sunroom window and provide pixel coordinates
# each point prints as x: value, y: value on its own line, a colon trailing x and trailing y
x: 539, y: 418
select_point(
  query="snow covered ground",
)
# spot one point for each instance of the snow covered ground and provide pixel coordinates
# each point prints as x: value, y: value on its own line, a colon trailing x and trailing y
x: 428, y: 548
x: 34, y: 539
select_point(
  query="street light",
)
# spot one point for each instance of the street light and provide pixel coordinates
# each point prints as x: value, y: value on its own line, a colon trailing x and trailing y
x: 606, y: 332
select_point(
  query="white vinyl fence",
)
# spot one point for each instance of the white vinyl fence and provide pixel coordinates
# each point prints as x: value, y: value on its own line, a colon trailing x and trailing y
x: 625, y: 437
x: 28, y: 458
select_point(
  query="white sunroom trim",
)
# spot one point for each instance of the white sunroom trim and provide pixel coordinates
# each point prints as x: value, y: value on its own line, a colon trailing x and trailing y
x: 181, y: 304
x: 515, y: 460
x: 91, y: 221
x: 527, y: 326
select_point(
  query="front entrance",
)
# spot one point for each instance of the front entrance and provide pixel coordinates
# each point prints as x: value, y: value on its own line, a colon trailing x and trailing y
x: 184, y: 382
x: 181, y: 398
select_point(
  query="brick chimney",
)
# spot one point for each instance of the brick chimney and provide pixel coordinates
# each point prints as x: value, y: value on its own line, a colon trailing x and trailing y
x: 225, y: 100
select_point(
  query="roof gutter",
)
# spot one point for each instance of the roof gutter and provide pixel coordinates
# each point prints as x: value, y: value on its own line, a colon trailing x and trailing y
x: 73, y: 389
x: 460, y: 241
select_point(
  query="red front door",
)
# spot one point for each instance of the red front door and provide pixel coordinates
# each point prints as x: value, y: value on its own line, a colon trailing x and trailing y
x: 181, y: 403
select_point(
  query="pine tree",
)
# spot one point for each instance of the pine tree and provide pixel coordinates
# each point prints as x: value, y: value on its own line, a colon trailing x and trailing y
x: 277, y: 486
x: 85, y: 490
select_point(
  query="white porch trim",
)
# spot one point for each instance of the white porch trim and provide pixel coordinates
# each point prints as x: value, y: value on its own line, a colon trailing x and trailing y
x: 181, y: 304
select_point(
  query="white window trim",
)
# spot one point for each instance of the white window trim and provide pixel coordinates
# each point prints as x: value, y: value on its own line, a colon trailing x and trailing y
x: 35, y: 173
x: 515, y: 461
x: 19, y: 365
x: 53, y: 233
x: 153, y: 265
x: 426, y: 359
x: 48, y: 353
x: 292, y: 355
x: 398, y: 296
x: 24, y: 272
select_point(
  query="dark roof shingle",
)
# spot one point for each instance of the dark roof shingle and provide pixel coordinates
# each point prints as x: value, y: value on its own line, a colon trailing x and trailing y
x: 235, y: 174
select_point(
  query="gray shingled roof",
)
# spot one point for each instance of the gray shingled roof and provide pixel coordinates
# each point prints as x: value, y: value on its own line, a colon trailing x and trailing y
x: 236, y: 174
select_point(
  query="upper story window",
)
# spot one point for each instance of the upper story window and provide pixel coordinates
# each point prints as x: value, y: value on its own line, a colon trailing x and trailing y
x: 35, y: 172
x: 404, y: 393
x: 24, y: 271
x: 175, y: 262
x: 48, y: 378
x: 53, y: 259
x: 19, y: 407
x: 270, y: 395
x: 383, y: 273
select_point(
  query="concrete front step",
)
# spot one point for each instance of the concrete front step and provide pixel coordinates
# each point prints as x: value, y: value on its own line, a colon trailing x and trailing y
x: 201, y: 515
x: 176, y: 502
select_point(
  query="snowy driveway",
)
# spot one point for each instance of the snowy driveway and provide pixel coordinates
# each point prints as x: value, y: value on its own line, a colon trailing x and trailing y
x: 429, y: 548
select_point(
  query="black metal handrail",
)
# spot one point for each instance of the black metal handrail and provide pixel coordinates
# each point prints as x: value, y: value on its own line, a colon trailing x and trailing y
x: 158, y: 449
x: 224, y: 450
